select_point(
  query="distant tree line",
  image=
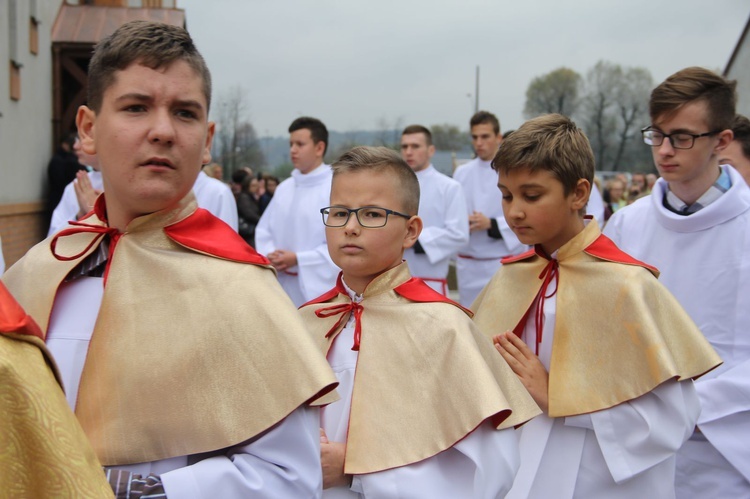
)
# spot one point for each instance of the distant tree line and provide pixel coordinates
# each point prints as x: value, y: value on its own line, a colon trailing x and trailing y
x: 610, y: 104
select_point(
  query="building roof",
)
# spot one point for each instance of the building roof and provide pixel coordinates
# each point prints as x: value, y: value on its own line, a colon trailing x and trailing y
x: 740, y: 43
x: 89, y: 24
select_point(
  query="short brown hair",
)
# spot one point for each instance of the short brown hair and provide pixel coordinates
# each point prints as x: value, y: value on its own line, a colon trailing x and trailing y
x: 382, y: 160
x: 551, y: 142
x: 412, y: 129
x: 485, y: 117
x: 741, y: 129
x: 696, y: 84
x: 154, y: 45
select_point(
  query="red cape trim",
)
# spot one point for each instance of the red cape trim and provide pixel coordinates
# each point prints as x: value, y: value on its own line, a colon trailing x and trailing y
x: 204, y: 233
x: 330, y: 294
x: 415, y: 289
x: 13, y: 319
x: 518, y: 258
x: 605, y: 249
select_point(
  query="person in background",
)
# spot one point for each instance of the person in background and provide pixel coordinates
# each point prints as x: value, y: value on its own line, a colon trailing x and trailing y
x: 737, y: 153
x: 490, y: 237
x: 248, y: 208
x: 442, y: 207
x: 289, y: 233
x: 271, y: 183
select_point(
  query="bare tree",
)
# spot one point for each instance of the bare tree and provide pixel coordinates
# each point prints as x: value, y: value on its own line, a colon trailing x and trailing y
x: 631, y: 95
x: 555, y: 92
x: 597, y: 110
x: 236, y: 141
x: 389, y: 133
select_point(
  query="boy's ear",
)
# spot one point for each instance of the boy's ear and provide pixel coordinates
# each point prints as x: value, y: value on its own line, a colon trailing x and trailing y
x: 85, y: 121
x: 581, y: 194
x: 413, y: 230
x: 725, y: 138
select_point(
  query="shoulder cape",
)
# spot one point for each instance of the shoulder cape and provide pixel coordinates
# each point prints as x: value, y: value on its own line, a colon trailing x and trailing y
x: 425, y: 376
x: 619, y: 333
x: 193, y: 331
x: 44, y: 451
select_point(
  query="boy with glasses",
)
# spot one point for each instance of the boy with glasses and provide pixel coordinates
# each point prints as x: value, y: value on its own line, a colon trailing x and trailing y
x: 423, y: 394
x: 694, y: 229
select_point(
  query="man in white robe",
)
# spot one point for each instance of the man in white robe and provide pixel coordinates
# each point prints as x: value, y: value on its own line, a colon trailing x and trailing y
x: 491, y: 239
x: 694, y: 229
x: 290, y: 233
x: 442, y: 207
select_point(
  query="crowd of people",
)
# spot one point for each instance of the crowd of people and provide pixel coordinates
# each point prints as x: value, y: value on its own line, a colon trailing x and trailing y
x: 296, y: 338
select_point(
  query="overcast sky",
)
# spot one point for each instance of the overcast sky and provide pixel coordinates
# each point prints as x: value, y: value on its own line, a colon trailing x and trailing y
x: 355, y: 64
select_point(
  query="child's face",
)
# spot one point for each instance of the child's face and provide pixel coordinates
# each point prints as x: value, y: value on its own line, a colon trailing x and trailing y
x: 364, y: 253
x: 151, y: 136
x: 537, y: 210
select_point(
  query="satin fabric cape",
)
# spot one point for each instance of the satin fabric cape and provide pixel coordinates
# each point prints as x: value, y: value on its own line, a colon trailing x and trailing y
x: 619, y: 333
x: 44, y: 452
x: 196, y: 347
x: 425, y: 376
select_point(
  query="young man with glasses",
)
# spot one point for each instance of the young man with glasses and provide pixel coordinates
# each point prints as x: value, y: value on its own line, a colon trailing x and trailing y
x: 694, y: 229
x: 423, y: 395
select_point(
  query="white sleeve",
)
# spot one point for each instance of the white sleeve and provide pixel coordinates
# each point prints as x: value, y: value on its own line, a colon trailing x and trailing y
x: 639, y: 434
x: 440, y: 243
x: 264, y: 243
x: 227, y: 208
x: 482, y: 465
x: 725, y: 402
x: 283, y: 462
x: 65, y: 211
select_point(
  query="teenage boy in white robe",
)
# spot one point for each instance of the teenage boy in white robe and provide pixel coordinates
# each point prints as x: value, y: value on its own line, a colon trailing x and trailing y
x: 289, y: 232
x: 490, y: 237
x: 694, y: 228
x: 442, y: 208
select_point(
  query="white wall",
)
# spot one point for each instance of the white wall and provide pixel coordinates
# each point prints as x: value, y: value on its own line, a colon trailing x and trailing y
x: 26, y: 125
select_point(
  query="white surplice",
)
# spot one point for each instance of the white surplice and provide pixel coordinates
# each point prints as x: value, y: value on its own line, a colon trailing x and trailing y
x: 211, y: 194
x: 480, y: 259
x: 442, y: 207
x: 292, y: 221
x: 482, y: 465
x: 282, y: 462
x: 704, y: 259
x: 216, y: 196
x: 624, y: 452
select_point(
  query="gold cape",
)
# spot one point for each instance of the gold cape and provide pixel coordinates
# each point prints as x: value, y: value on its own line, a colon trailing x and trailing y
x: 425, y: 376
x: 190, y: 353
x: 43, y: 451
x: 619, y: 333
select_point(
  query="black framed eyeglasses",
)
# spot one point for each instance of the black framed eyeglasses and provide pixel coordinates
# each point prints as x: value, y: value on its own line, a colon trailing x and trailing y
x: 679, y: 140
x: 371, y: 217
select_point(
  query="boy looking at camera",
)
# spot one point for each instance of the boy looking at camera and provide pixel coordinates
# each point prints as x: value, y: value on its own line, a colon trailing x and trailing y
x: 601, y: 345
x: 423, y: 393
x: 180, y: 391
